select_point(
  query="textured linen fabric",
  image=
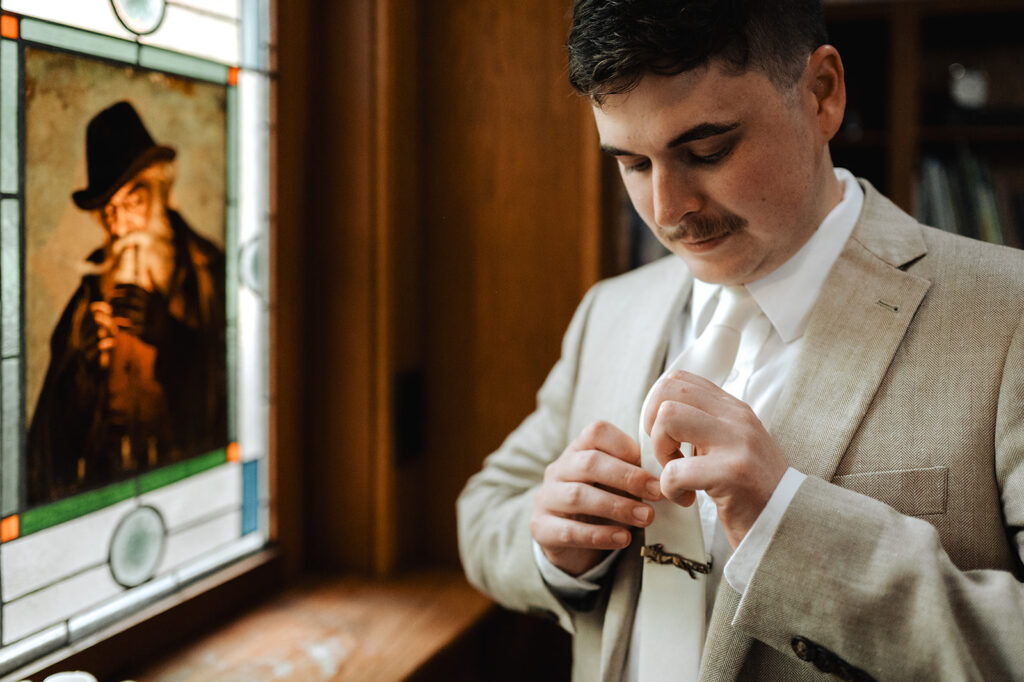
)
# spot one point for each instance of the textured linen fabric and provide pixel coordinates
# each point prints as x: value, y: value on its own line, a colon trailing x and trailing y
x: 912, y: 364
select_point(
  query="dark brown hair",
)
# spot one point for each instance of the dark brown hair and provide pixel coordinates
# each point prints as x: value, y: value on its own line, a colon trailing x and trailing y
x: 615, y: 43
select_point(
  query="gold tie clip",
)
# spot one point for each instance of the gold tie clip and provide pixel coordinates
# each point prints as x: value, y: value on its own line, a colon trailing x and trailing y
x: 657, y: 554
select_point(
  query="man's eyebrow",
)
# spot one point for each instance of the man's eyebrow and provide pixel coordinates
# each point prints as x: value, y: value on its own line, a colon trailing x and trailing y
x: 698, y: 132
x: 615, y: 151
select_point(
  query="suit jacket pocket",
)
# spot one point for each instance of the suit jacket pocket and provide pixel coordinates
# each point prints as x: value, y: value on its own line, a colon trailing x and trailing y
x: 914, y: 492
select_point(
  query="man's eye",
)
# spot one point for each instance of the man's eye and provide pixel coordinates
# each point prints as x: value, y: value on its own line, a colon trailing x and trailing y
x: 711, y: 158
x: 639, y: 166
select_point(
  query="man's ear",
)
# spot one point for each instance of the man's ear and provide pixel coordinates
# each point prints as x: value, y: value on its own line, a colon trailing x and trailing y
x: 827, y: 84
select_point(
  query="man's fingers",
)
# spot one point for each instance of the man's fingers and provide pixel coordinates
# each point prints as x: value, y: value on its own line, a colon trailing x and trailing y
x: 682, y: 478
x: 581, y: 499
x: 678, y: 423
x: 560, y: 532
x: 608, y: 438
x: 685, y: 387
x: 607, y: 471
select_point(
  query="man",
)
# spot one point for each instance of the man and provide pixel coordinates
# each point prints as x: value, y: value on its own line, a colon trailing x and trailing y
x: 864, y: 456
x: 137, y: 360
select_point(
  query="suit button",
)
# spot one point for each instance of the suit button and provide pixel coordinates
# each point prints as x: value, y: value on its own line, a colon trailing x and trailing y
x: 803, y: 649
x: 824, y: 660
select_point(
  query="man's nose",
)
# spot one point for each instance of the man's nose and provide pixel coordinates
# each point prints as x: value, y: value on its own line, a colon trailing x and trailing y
x: 674, y: 196
x: 127, y: 224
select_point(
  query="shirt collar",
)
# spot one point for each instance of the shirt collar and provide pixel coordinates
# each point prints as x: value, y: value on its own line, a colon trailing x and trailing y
x: 787, y: 294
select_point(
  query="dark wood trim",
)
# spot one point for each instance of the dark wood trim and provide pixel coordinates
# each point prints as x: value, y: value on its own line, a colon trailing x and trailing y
x: 289, y: 148
x: 398, y: 267
x: 337, y: 292
x: 904, y: 101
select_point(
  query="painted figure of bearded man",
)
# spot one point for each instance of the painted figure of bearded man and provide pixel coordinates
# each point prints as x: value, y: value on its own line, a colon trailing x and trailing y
x: 137, y: 373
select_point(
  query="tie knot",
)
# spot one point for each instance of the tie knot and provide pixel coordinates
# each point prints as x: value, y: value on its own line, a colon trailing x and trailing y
x: 735, y: 307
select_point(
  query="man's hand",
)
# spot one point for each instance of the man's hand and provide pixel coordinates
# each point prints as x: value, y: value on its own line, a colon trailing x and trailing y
x: 735, y: 460
x: 98, y: 332
x: 140, y: 312
x: 590, y: 496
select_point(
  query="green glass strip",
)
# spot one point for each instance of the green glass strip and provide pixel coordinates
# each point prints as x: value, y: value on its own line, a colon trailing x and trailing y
x: 176, y: 472
x: 80, y: 41
x: 9, y: 70
x: 184, y: 65
x: 10, y: 437
x: 36, y: 520
x: 10, y: 278
x: 41, y: 518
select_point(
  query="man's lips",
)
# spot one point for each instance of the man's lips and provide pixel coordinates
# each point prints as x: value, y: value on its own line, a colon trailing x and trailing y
x: 705, y: 244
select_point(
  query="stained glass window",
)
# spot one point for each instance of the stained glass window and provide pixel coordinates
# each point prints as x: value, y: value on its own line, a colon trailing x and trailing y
x: 134, y: 211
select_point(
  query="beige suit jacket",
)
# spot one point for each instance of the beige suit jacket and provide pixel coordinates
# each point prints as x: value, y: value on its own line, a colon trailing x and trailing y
x: 900, y: 554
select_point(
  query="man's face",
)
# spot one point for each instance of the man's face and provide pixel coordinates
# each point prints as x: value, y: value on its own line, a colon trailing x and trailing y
x: 128, y: 210
x: 729, y: 172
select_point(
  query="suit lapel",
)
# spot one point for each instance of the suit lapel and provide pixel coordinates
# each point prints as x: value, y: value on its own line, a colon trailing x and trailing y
x: 620, y: 615
x: 862, y: 314
x: 856, y: 326
x: 634, y: 333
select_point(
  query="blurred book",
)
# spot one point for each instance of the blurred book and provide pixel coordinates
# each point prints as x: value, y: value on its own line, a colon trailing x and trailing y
x: 960, y: 192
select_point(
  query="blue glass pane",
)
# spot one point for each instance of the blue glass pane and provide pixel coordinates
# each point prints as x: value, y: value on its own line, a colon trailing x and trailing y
x: 250, y: 496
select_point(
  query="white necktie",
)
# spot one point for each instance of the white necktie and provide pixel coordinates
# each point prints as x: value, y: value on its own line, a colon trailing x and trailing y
x: 672, y: 596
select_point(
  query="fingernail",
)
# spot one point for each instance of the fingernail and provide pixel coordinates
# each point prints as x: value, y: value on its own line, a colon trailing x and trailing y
x: 642, y: 514
x: 620, y: 537
x: 654, y: 489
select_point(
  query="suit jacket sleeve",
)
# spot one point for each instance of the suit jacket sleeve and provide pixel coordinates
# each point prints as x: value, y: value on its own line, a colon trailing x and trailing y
x: 495, y: 506
x: 876, y: 587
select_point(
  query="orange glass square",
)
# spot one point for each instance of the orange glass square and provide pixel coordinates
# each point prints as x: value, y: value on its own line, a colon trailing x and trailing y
x: 8, y: 26
x: 233, y: 75
x: 234, y: 452
x: 10, y: 528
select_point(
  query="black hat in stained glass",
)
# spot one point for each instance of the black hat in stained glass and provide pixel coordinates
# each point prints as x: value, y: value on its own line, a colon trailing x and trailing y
x: 117, y: 146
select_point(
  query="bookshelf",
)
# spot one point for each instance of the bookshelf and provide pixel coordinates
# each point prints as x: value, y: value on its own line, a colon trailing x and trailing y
x: 935, y: 115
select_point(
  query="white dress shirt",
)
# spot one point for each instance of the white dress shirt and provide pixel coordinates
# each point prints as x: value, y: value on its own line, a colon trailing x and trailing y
x: 786, y: 296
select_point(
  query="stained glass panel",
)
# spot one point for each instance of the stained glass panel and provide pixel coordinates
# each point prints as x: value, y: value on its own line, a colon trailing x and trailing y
x: 133, y: 238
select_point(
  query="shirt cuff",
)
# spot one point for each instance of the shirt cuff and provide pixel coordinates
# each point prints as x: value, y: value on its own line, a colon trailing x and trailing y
x: 743, y: 562
x: 571, y: 587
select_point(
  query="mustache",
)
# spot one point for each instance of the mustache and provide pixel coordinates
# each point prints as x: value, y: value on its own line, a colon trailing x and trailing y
x: 699, y: 228
x: 144, y: 241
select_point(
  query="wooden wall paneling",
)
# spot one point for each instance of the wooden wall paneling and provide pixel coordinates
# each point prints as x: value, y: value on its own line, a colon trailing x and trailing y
x: 510, y: 221
x: 398, y: 276
x: 289, y: 120
x: 339, y: 344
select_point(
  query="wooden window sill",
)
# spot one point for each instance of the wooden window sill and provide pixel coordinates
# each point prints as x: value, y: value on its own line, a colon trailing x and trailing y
x: 334, y: 628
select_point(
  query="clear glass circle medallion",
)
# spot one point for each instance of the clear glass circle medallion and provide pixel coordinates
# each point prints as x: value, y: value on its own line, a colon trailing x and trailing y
x: 140, y: 16
x: 137, y: 546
